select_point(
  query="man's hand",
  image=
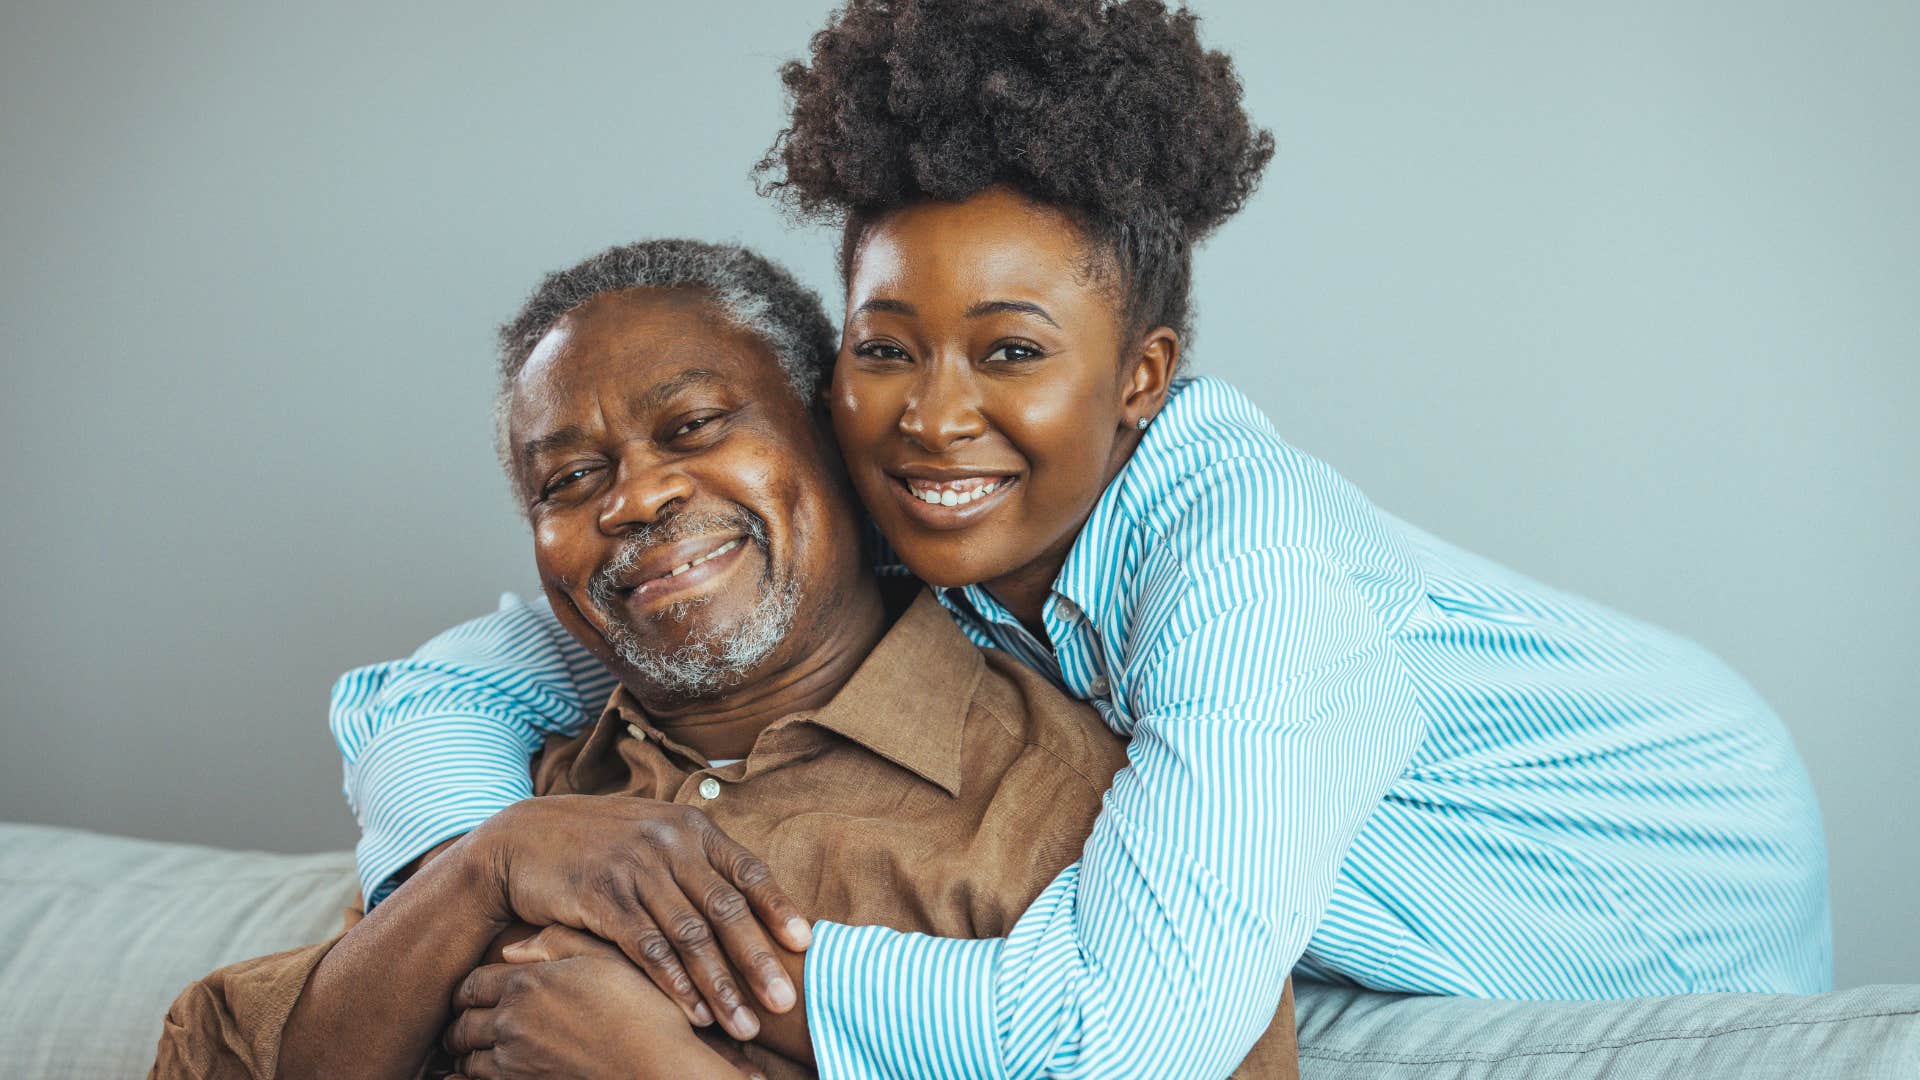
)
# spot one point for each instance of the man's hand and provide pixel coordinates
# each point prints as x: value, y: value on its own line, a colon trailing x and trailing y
x: 574, y: 1006
x: 661, y: 882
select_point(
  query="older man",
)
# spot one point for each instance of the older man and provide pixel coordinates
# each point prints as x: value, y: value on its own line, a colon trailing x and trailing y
x: 693, y: 529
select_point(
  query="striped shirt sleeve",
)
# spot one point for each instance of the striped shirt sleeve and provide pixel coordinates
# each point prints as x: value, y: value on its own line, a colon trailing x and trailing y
x: 438, y: 742
x: 1271, y: 714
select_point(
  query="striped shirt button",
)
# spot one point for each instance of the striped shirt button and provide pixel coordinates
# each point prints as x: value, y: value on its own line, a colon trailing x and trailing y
x: 1099, y: 686
x: 709, y: 789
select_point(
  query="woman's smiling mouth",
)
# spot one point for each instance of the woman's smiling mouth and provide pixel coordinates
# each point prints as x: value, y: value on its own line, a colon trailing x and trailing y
x: 950, y: 503
x: 954, y: 492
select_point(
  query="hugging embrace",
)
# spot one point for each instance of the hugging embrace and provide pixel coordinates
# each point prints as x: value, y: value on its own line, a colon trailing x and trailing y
x: 975, y: 691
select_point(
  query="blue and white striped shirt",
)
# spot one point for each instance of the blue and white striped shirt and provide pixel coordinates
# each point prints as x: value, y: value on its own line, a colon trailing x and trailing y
x: 1355, y: 752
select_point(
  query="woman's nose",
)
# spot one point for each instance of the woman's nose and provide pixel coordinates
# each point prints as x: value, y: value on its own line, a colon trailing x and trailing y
x: 943, y: 409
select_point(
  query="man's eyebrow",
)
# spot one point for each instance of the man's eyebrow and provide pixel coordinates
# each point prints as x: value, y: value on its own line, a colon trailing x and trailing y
x: 653, y: 397
x: 1017, y: 307
x: 552, y: 440
x: 662, y: 392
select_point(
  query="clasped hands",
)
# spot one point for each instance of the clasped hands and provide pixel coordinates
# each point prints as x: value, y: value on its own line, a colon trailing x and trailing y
x: 652, y: 919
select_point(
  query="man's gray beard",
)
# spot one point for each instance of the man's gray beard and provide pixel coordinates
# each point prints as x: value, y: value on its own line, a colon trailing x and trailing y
x: 710, y: 663
x: 714, y: 662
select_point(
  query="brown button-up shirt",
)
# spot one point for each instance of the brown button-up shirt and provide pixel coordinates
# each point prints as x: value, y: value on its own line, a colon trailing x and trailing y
x: 939, y: 792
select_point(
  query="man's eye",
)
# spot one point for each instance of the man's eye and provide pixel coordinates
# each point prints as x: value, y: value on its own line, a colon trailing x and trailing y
x: 1012, y: 352
x: 695, y: 424
x: 879, y: 350
x: 565, y: 480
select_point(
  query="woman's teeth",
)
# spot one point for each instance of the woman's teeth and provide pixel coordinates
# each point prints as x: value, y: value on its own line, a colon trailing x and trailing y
x: 957, y: 493
x: 714, y: 554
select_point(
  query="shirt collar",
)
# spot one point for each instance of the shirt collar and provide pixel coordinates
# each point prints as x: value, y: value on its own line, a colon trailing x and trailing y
x: 907, y: 702
x: 1097, y: 565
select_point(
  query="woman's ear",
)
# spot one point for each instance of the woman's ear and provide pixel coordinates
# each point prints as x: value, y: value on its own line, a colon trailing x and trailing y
x: 1144, y: 393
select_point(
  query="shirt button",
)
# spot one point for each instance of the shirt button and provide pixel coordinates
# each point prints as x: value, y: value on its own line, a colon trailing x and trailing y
x: 709, y: 789
x: 1098, y: 686
x: 1069, y: 609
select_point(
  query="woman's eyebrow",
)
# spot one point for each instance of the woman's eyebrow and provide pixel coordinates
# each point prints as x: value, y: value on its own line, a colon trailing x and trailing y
x: 1018, y: 307
x: 891, y: 307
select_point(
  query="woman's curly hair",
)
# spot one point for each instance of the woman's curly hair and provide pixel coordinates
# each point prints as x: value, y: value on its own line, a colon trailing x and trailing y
x: 1110, y: 110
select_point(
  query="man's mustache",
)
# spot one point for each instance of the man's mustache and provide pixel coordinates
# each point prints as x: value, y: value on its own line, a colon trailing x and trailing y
x: 607, y: 581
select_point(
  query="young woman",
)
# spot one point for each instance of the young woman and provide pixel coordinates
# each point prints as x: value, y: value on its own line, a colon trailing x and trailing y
x: 1355, y: 749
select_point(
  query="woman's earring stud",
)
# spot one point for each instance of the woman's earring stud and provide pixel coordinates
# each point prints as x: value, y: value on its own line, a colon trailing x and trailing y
x: 1142, y: 424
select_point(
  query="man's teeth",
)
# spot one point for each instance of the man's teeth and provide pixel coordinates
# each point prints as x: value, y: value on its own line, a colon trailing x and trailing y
x: 714, y: 554
x: 956, y: 493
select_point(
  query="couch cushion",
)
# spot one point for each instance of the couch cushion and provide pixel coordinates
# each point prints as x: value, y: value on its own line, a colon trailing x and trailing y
x: 98, y: 933
x: 1868, y: 1033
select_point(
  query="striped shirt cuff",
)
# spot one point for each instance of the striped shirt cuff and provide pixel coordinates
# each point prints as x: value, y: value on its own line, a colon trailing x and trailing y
x: 885, y: 1004
x: 429, y: 780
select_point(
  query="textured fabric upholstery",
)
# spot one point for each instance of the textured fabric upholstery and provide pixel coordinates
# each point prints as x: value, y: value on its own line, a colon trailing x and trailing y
x: 1868, y: 1033
x: 98, y: 933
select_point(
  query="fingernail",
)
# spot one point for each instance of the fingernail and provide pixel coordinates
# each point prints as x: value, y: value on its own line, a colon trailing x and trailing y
x: 701, y: 1014
x: 745, y: 1024
x: 801, y: 933
x: 780, y: 995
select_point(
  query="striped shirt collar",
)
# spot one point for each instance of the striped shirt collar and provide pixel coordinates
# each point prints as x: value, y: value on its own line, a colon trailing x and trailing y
x: 1102, y: 556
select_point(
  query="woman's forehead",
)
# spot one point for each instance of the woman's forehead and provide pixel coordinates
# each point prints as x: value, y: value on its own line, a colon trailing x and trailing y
x: 993, y: 246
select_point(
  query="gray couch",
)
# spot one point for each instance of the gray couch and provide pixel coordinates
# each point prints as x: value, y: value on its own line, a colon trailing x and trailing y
x: 98, y: 933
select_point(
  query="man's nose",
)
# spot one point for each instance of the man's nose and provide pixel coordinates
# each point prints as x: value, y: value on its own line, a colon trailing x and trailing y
x: 943, y: 408
x: 642, y: 494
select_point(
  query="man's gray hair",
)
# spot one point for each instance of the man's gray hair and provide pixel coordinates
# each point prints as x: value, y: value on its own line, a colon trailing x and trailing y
x: 756, y: 294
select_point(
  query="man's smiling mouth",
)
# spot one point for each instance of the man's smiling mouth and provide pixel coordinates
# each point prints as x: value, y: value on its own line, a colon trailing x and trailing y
x: 690, y: 564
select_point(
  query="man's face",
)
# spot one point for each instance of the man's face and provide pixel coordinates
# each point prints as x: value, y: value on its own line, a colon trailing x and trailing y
x: 686, y: 509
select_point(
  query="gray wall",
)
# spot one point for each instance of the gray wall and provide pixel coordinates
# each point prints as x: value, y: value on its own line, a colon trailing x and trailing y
x: 1620, y: 294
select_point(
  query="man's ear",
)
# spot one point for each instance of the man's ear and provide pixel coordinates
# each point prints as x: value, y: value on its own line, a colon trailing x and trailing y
x: 1144, y: 393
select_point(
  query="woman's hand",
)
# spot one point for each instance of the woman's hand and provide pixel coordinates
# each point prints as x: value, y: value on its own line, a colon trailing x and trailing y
x: 571, y: 1005
x: 661, y: 882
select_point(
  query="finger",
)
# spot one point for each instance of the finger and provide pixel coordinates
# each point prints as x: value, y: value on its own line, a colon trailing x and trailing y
x: 640, y: 939
x: 480, y: 1065
x: 692, y: 938
x: 747, y: 873
x: 472, y: 1030
x: 483, y: 987
x: 743, y: 938
x: 733, y: 1054
x: 557, y: 943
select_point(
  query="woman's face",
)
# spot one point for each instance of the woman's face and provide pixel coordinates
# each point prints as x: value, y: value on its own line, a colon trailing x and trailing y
x: 987, y: 390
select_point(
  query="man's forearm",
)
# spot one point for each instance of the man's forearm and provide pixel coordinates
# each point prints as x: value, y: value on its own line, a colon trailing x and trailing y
x: 379, y: 1001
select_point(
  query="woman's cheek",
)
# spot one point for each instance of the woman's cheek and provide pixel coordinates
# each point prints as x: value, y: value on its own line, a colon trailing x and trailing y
x: 1060, y: 439
x: 849, y: 394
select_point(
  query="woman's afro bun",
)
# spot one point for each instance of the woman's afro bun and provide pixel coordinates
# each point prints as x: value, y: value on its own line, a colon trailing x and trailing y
x: 1109, y: 107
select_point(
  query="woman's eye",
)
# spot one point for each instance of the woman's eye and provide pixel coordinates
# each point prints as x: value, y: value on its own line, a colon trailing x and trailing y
x: 1012, y: 353
x: 880, y: 350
